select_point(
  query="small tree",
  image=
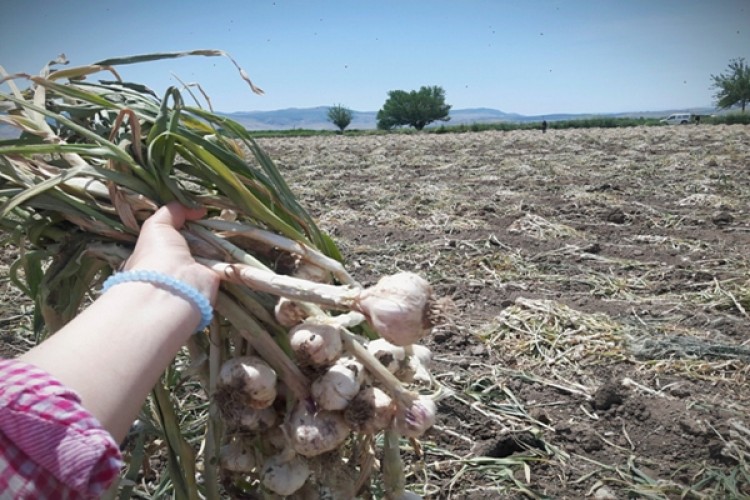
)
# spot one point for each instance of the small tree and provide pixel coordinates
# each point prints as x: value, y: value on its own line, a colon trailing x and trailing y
x: 416, y: 108
x: 340, y: 116
x: 733, y: 85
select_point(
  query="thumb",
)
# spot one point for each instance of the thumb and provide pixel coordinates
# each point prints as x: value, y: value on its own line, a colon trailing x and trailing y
x: 175, y: 214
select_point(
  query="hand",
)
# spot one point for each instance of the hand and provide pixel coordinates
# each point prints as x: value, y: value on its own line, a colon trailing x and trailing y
x: 161, y: 247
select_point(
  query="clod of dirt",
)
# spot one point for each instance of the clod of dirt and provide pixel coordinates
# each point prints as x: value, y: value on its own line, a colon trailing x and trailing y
x: 604, y: 493
x: 603, y: 187
x: 611, y: 393
x: 617, y: 216
x: 510, y: 444
x: 722, y: 218
x: 592, y: 248
x: 692, y: 426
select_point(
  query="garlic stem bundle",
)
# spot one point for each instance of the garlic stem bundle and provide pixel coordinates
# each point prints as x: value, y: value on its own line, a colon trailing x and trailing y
x: 306, y: 253
x: 400, y: 307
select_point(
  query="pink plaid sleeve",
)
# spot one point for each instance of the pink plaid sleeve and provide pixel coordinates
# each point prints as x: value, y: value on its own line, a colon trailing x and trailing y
x: 50, y: 446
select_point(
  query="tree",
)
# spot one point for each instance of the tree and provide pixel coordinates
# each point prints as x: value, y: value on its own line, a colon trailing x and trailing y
x: 340, y: 116
x: 733, y: 85
x: 416, y: 108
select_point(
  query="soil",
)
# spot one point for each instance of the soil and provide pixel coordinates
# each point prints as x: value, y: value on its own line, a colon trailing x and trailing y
x: 598, y: 339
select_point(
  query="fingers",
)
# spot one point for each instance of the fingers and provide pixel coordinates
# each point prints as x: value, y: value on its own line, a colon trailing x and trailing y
x: 175, y: 214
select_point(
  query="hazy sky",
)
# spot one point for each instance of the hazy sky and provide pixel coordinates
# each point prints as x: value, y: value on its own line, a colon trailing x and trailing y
x: 524, y: 56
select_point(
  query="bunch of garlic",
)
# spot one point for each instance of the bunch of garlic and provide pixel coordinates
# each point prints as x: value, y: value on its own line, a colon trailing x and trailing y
x: 343, y: 388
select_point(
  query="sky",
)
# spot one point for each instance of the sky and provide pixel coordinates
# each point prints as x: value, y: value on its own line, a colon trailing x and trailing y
x: 527, y: 56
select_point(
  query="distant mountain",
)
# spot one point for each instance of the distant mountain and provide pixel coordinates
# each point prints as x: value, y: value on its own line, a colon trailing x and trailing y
x: 301, y: 118
x: 316, y: 118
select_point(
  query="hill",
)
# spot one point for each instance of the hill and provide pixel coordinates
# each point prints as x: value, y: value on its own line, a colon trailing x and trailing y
x: 316, y: 118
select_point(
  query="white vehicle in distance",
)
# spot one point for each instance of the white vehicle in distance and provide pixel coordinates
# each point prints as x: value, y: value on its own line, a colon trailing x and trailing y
x: 678, y: 119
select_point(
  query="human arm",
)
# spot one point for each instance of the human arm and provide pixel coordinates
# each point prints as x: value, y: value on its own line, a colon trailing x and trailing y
x: 113, y: 353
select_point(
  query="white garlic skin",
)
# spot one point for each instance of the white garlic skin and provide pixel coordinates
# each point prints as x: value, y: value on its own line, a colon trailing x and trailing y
x: 335, y: 388
x: 391, y: 356
x: 315, y: 433
x: 423, y: 354
x: 283, y: 475
x: 316, y: 344
x: 252, y: 419
x: 397, y: 307
x: 371, y: 411
x: 252, y: 377
x: 288, y: 313
x: 415, y: 420
x: 311, y: 272
x: 235, y: 457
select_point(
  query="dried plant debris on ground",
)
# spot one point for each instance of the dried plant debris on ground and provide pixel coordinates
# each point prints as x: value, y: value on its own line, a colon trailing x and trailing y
x: 600, y: 342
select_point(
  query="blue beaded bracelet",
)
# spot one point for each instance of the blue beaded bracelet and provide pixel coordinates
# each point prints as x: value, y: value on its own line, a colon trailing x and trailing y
x: 176, y: 286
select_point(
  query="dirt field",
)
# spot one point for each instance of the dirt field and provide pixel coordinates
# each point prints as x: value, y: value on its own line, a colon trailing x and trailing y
x: 600, y: 343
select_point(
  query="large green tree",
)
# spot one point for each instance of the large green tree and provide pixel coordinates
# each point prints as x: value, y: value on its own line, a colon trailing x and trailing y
x: 417, y: 108
x: 733, y: 86
x: 340, y: 116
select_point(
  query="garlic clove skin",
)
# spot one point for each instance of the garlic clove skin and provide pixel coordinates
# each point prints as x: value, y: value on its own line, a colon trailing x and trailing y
x: 283, y: 475
x: 288, y: 313
x: 313, y: 434
x: 415, y: 420
x: 391, y: 356
x: 423, y: 354
x: 315, y: 344
x: 418, y: 372
x: 371, y: 411
x: 250, y: 377
x: 236, y: 457
x: 257, y: 420
x: 398, y: 307
x: 335, y: 388
x: 353, y: 364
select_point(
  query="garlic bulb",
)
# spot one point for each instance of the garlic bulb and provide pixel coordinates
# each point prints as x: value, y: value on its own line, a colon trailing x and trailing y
x: 335, y: 388
x: 249, y: 377
x: 236, y: 457
x: 370, y: 411
x: 251, y: 419
x: 283, y: 475
x: 398, y: 307
x: 314, y: 433
x: 315, y: 344
x: 423, y: 354
x: 391, y: 356
x: 288, y: 313
x: 415, y: 420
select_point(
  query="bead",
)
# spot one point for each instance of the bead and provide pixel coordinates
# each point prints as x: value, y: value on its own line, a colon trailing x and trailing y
x: 174, y: 285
